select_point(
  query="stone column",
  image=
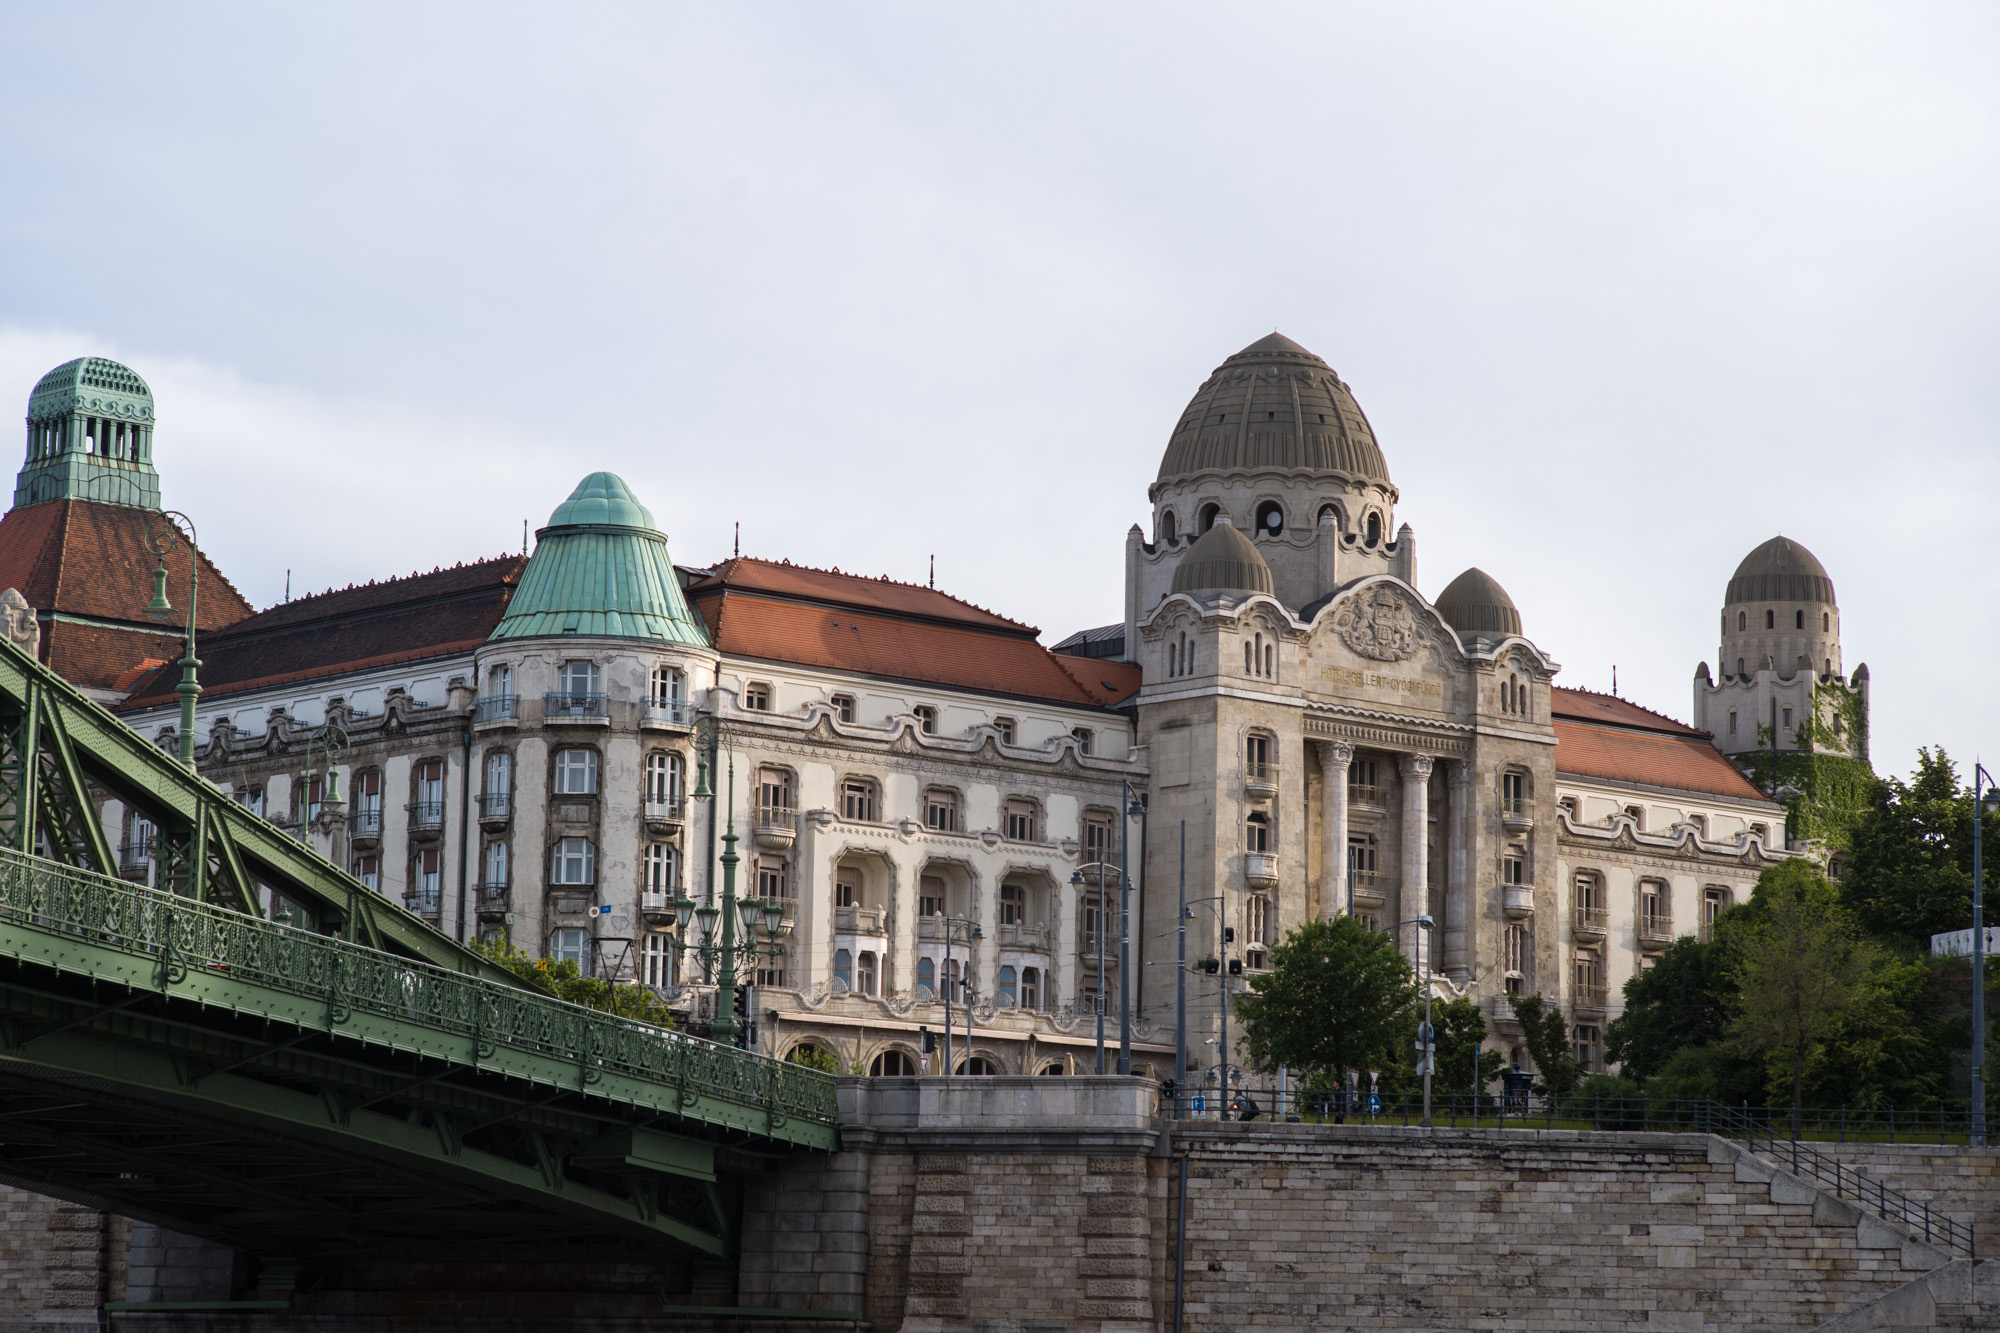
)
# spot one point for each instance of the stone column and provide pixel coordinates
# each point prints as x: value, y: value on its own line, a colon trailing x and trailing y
x: 1415, y: 899
x: 1334, y: 758
x: 1458, y: 886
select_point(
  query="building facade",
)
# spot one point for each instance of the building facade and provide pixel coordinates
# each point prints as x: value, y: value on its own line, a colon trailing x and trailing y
x: 558, y: 748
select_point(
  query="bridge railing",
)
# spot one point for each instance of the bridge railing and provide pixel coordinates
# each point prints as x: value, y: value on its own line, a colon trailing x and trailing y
x: 180, y: 935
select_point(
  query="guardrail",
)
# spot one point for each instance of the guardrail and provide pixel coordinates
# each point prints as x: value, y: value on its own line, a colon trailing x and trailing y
x: 182, y: 935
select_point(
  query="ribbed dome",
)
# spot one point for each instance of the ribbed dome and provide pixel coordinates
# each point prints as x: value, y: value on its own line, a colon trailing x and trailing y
x: 91, y: 384
x: 602, y: 497
x: 1475, y: 604
x: 1780, y: 570
x: 601, y: 570
x: 1222, y: 561
x: 1274, y: 405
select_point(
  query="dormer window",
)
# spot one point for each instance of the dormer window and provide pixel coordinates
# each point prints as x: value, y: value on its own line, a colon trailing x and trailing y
x: 1005, y: 726
x: 757, y: 697
x: 843, y: 706
x: 1085, y: 738
x: 1169, y: 526
x: 926, y: 719
x: 1374, y: 531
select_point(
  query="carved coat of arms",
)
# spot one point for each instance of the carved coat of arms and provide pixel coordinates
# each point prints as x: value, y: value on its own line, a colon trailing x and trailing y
x: 1379, y: 625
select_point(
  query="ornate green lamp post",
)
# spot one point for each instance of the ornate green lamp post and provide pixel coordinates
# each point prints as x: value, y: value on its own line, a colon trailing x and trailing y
x: 163, y: 537
x: 720, y: 958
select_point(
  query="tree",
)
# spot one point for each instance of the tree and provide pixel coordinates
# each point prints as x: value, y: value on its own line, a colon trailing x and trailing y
x: 1336, y: 995
x: 565, y: 981
x: 1684, y: 999
x: 1800, y: 967
x: 1461, y: 1030
x: 1546, y: 1035
x: 1909, y: 870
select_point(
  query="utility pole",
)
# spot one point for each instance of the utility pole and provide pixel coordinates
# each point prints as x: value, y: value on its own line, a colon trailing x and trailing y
x: 1180, y: 984
x: 1124, y: 929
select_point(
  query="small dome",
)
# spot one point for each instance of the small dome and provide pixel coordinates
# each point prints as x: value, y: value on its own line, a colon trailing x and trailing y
x: 1222, y: 561
x: 1274, y: 405
x: 1475, y: 604
x: 602, y: 499
x: 1780, y: 570
x: 91, y: 384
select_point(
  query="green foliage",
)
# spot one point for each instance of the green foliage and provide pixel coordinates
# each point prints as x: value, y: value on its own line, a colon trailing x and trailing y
x: 1834, y: 792
x: 1545, y: 1032
x: 1460, y: 1031
x: 1719, y: 1072
x: 1337, y: 996
x: 1682, y: 1000
x: 814, y: 1057
x: 1606, y: 1086
x: 564, y: 981
x: 1885, y: 1051
x: 1801, y: 970
x: 1909, y: 873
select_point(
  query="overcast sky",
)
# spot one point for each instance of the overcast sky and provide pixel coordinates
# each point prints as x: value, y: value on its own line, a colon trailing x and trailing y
x: 1625, y: 290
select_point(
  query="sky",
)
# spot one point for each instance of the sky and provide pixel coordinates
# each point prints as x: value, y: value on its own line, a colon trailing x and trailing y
x: 1624, y: 290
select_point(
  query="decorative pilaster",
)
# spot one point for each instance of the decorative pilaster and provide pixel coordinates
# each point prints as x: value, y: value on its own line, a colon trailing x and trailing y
x: 1415, y: 898
x: 1458, y: 890
x: 1334, y: 759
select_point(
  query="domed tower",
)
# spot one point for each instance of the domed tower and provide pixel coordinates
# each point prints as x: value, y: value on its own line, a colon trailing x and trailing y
x: 90, y: 437
x: 1779, y: 662
x: 1477, y: 607
x: 1274, y: 441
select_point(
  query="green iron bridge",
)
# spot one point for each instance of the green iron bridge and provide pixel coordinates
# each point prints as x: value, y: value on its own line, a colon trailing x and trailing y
x: 358, y: 1083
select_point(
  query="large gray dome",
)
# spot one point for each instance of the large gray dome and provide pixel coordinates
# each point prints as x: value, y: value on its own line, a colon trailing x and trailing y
x: 1274, y: 405
x: 1475, y: 603
x: 1780, y: 570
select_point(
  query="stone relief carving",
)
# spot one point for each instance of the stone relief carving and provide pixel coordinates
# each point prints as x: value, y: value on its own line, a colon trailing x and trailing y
x: 1380, y: 624
x: 23, y: 631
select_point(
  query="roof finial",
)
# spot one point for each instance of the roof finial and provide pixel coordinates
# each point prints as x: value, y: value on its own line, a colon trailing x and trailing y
x: 933, y: 571
x: 1614, y: 680
x: 524, y: 537
x: 737, y: 552
x: 288, y: 585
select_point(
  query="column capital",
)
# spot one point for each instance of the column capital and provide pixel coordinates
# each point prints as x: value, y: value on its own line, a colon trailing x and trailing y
x: 1415, y: 765
x: 1458, y: 772
x: 1336, y: 754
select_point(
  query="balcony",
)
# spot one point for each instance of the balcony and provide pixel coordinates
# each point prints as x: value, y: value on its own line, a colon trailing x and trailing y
x: 778, y: 825
x: 426, y: 818
x: 674, y: 715
x: 1656, y: 931
x: 136, y: 858
x: 581, y: 709
x: 1367, y: 796
x: 1260, y: 871
x: 1592, y: 924
x: 1517, y: 816
x: 495, y: 809
x: 1367, y: 887
x: 364, y: 826
x: 1501, y: 1007
x: 429, y: 904
x: 1023, y: 936
x: 505, y: 710
x: 1518, y: 901
x: 1260, y: 783
x: 1588, y: 996
x: 665, y: 817
x: 866, y: 921
x: 657, y: 906
x: 493, y: 903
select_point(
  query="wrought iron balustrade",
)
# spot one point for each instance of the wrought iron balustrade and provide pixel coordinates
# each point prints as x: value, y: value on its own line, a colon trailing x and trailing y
x: 497, y: 708
x: 496, y: 804
x: 135, y: 856
x: 668, y: 713
x: 563, y: 707
x: 365, y: 823
x: 425, y: 815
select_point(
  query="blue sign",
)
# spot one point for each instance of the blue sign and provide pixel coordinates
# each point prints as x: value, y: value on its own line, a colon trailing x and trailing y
x: 1374, y: 1103
x: 1200, y: 1103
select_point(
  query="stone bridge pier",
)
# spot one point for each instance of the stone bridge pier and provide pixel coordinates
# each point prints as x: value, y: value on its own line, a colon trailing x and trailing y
x: 1063, y: 1205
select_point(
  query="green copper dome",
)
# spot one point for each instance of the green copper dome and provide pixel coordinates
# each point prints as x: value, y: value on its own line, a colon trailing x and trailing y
x: 601, y: 570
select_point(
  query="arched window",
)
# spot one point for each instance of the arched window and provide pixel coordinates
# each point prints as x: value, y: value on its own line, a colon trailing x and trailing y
x: 867, y: 973
x: 1374, y: 529
x: 1825, y: 625
x: 1798, y: 622
x: 1739, y: 671
x: 576, y: 772
x: 927, y: 979
x: 1209, y: 513
x: 494, y: 876
x: 1270, y: 518
x: 896, y: 1064
x: 1031, y: 988
x: 1249, y: 665
x: 843, y: 970
x: 499, y: 776
x: 1742, y: 622
x: 1329, y: 511
x: 1270, y: 661
x: 662, y: 868
x: 979, y: 1064
x: 1257, y: 836
x: 665, y: 774
x: 1174, y: 659
x: 1006, y: 996
x: 667, y: 687
x: 1770, y: 620
x: 1169, y: 529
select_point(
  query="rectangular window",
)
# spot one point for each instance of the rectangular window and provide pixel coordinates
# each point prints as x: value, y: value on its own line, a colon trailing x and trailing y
x: 1513, y: 868
x: 667, y: 687
x: 571, y: 944
x: 368, y: 791
x: 771, y: 976
x: 930, y: 896
x: 1005, y: 726
x: 1085, y: 738
x: 1515, y: 954
x: 495, y: 876
x: 252, y: 799
x: 1031, y: 988
x: 580, y: 679
x: 1257, y: 758
x: 846, y: 887
x: 1589, y: 1049
x: 1787, y: 722
x: 843, y: 707
x: 1732, y: 731
x: 941, y: 809
x: 430, y: 784
x: 1257, y: 923
x: 368, y: 869
x: 1013, y: 906
x: 662, y: 868
x: 1363, y: 783
x: 857, y: 800
x: 772, y: 881
x: 576, y: 772
x: 926, y: 719
x: 1513, y: 796
x: 866, y: 974
x: 1097, y: 846
x: 757, y: 697
x: 573, y: 861
x: 429, y: 874
x: 1714, y: 901
x: 1021, y: 821
x: 774, y: 789
x: 656, y: 961
x: 1257, y: 834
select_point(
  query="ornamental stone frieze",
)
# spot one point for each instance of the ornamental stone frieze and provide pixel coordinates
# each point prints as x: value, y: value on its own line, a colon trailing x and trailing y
x: 1414, y: 736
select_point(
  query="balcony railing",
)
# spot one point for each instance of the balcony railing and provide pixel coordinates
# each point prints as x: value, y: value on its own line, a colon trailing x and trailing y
x: 1592, y: 922
x: 1261, y: 779
x: 1517, y: 813
x: 565, y: 707
x: 1261, y: 870
x: 776, y: 827
x: 501, y: 708
x: 1518, y: 900
x: 1589, y: 995
x: 668, y: 713
x: 134, y: 856
x: 670, y: 811
x: 367, y: 823
x: 430, y: 903
x: 1368, y: 794
x: 493, y: 895
x: 425, y: 815
x: 861, y: 921
x: 500, y: 805
x: 1367, y: 886
x: 1021, y: 935
x: 1654, y: 929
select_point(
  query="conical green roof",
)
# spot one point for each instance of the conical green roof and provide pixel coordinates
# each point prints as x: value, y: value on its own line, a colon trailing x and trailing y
x: 600, y: 570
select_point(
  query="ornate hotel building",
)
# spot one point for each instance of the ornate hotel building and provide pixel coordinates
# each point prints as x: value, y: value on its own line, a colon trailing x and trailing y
x: 921, y: 791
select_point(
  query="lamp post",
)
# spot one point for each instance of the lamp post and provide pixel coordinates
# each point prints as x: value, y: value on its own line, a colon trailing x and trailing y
x: 1180, y: 983
x: 1426, y: 1039
x: 1130, y: 805
x: 1098, y: 869
x: 972, y: 932
x: 163, y: 537
x: 1991, y: 797
x: 721, y: 959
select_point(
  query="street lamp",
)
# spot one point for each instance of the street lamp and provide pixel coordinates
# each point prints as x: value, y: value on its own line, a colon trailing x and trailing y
x: 722, y: 958
x: 1133, y: 808
x: 972, y: 932
x: 1990, y: 797
x: 1426, y: 1040
x: 163, y: 537
x: 1076, y: 880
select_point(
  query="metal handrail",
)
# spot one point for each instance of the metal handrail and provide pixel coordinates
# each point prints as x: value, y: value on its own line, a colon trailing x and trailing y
x: 674, y: 712
x: 560, y: 704
x: 496, y: 804
x: 181, y: 933
x: 366, y: 823
x: 425, y: 814
x: 494, y: 707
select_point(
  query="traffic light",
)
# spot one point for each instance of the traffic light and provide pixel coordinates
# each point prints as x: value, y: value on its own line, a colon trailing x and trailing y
x: 927, y: 1040
x: 746, y: 1031
x: 1168, y: 1089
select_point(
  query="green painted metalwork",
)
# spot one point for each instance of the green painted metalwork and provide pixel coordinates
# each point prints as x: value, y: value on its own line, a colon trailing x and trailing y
x: 601, y: 570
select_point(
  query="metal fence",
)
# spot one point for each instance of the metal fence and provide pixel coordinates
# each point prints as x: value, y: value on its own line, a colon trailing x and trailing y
x: 181, y: 935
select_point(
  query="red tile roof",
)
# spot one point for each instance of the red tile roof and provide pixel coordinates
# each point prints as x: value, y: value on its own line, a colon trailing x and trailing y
x: 1603, y: 736
x: 833, y: 588
x: 820, y: 618
x: 440, y: 614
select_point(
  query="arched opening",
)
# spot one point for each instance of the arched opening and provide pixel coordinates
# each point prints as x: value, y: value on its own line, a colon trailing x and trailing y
x: 979, y: 1064
x: 1170, y: 528
x: 1326, y: 512
x: 1798, y: 622
x: 898, y: 1064
x: 1374, y: 529
x: 1825, y: 624
x: 1270, y: 518
x: 1742, y: 620
x: 1209, y: 513
x: 1770, y: 620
